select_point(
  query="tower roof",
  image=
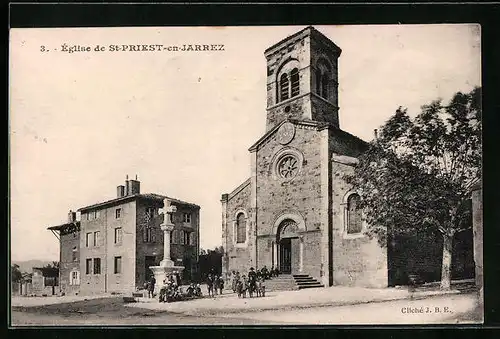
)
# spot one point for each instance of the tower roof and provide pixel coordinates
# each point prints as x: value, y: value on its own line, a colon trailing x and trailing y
x: 308, y: 31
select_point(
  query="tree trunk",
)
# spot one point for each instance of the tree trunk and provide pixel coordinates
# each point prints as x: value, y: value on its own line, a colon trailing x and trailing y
x: 446, y: 265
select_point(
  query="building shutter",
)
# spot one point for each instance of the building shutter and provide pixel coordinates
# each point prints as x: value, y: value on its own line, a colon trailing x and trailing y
x: 77, y: 277
x: 71, y: 278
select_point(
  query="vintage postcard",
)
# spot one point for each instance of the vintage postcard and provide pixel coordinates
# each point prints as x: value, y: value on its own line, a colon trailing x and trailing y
x: 260, y: 175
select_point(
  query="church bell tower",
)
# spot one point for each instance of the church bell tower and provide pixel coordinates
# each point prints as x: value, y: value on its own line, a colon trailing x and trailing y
x: 302, y: 79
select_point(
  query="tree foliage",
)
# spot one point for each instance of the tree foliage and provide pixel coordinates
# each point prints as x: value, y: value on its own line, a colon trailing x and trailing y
x: 416, y: 176
x: 16, y: 275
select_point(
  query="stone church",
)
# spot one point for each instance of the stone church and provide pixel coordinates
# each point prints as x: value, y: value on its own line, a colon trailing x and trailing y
x: 295, y: 212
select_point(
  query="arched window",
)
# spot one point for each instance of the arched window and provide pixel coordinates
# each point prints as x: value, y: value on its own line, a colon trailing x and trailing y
x: 322, y: 75
x: 324, y: 85
x: 284, y: 84
x: 294, y: 78
x: 241, y: 229
x: 318, y: 81
x: 354, y: 215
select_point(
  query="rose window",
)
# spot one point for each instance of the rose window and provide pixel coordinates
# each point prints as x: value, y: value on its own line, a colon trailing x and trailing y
x: 288, y: 167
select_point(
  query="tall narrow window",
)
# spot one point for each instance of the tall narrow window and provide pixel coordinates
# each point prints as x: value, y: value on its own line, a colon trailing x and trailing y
x: 284, y: 84
x: 324, y: 85
x: 118, y: 235
x: 118, y: 213
x: 97, y: 265
x: 149, y: 235
x: 74, y: 254
x: 118, y: 265
x: 96, y: 238
x: 88, y: 239
x: 88, y: 266
x: 187, y: 238
x: 241, y: 229
x: 294, y: 77
x: 318, y: 81
x: 354, y: 215
x: 150, y: 213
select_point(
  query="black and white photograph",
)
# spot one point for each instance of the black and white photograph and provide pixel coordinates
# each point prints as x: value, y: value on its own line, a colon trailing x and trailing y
x: 246, y: 175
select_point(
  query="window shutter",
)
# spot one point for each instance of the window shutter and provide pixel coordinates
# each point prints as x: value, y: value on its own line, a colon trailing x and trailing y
x: 153, y: 234
x: 77, y: 278
x: 71, y: 278
x: 144, y: 234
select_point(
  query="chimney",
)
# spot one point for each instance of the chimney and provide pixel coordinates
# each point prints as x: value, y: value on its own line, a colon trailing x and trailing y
x: 120, y: 191
x: 127, y: 186
x: 375, y: 132
x: 71, y: 216
x: 135, y: 186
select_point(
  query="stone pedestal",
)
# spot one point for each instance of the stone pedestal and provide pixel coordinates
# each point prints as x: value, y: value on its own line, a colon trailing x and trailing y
x: 163, y: 273
x: 167, y: 267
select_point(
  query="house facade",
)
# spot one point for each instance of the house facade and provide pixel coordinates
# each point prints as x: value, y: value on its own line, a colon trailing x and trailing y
x: 112, y: 246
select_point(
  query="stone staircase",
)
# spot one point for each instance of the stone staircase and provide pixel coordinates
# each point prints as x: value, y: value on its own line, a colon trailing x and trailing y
x: 288, y: 282
x: 284, y: 282
x: 305, y: 281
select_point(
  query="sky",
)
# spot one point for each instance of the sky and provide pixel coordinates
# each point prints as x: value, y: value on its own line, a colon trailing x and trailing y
x: 183, y: 121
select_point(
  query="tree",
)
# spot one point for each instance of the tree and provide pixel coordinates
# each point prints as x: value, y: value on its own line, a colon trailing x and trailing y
x: 53, y: 265
x: 219, y: 249
x: 415, y: 177
x: 16, y: 275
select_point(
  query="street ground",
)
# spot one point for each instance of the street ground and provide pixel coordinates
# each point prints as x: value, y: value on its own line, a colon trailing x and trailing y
x: 334, y: 305
x: 110, y: 311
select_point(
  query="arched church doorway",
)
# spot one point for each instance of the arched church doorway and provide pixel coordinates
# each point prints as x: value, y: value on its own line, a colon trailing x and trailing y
x: 290, y: 247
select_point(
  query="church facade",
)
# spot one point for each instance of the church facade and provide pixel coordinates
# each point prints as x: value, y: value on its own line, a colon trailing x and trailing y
x: 295, y: 212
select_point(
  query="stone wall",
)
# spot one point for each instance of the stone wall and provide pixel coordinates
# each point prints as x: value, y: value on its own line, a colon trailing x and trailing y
x: 154, y: 248
x: 477, y: 225
x: 301, y: 196
x: 107, y: 250
x: 238, y: 256
x: 357, y: 260
x: 67, y: 265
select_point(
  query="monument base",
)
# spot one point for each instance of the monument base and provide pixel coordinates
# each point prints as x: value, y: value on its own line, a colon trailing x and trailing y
x: 163, y: 272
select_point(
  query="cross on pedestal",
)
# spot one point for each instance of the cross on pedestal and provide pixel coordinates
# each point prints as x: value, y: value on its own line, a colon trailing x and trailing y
x: 167, y: 227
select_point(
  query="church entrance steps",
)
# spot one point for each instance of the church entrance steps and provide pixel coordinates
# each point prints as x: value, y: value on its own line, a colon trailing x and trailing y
x: 289, y: 282
x: 283, y: 282
x: 305, y: 281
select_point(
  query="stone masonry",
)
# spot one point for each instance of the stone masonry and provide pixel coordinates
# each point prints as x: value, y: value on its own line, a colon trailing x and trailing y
x: 295, y: 201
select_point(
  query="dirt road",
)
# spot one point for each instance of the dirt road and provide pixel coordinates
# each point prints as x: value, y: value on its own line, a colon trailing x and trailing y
x: 112, y: 311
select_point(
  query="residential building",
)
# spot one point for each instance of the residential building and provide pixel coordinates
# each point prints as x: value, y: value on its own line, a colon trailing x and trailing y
x: 113, y: 244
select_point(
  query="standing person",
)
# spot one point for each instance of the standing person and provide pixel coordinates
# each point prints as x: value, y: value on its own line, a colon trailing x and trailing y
x: 216, y: 283
x: 252, y: 280
x: 151, y: 287
x: 210, y: 284
x: 178, y: 278
x: 234, y: 283
x: 221, y: 285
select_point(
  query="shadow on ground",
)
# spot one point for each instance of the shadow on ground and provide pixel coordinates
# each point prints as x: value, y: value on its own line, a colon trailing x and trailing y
x: 103, y: 307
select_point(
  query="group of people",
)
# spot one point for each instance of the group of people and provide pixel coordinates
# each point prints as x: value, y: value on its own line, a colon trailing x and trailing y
x: 215, y: 284
x: 253, y: 283
x: 171, y: 282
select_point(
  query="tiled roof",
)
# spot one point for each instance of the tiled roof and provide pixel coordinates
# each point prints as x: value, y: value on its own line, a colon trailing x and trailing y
x: 153, y: 196
x: 63, y: 226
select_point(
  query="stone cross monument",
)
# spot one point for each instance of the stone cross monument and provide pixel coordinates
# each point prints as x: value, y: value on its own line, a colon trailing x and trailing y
x: 167, y: 266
